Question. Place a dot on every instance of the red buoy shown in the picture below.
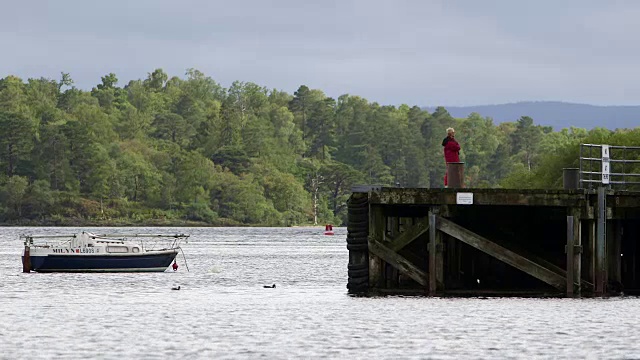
(175, 266)
(328, 229)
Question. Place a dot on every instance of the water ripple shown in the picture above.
(222, 310)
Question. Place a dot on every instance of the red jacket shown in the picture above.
(451, 150)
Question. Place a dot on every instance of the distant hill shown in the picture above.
(555, 113)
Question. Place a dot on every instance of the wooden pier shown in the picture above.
(441, 242)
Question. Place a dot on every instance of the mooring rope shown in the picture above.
(185, 259)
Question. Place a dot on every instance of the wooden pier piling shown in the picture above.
(572, 242)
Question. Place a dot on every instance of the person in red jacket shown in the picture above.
(451, 150)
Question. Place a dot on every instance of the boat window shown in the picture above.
(117, 249)
(135, 249)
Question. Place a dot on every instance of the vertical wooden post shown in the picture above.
(391, 273)
(435, 255)
(610, 255)
(458, 276)
(455, 175)
(377, 230)
(451, 269)
(614, 240)
(618, 250)
(574, 245)
(601, 243)
(577, 252)
(432, 253)
(439, 262)
(569, 250)
(591, 245)
(633, 231)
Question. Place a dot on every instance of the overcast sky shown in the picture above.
(416, 52)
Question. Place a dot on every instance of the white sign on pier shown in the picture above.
(464, 198)
(605, 165)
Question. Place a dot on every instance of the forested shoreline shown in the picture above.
(186, 151)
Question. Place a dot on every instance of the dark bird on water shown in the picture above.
(176, 287)
(270, 286)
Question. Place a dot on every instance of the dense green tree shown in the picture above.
(42, 97)
(285, 142)
(13, 98)
(39, 198)
(172, 127)
(149, 102)
(156, 80)
(139, 177)
(480, 144)
(133, 123)
(526, 140)
(51, 155)
(416, 156)
(108, 94)
(16, 140)
(195, 177)
(314, 180)
(15, 191)
(171, 148)
(338, 180)
(300, 105)
(242, 199)
(352, 113)
(65, 80)
(303, 105)
(233, 158)
(500, 164)
(288, 195)
(321, 126)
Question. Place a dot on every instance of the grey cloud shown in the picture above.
(424, 53)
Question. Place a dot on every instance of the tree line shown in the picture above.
(163, 150)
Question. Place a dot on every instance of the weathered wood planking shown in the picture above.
(594, 240)
(410, 234)
(420, 196)
(399, 262)
(501, 253)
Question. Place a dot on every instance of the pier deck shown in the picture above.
(492, 241)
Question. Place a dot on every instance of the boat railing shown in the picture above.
(28, 240)
(122, 237)
(106, 238)
(48, 236)
(141, 235)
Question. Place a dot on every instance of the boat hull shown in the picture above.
(148, 262)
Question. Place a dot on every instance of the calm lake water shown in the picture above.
(223, 312)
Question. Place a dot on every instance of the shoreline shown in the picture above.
(74, 222)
